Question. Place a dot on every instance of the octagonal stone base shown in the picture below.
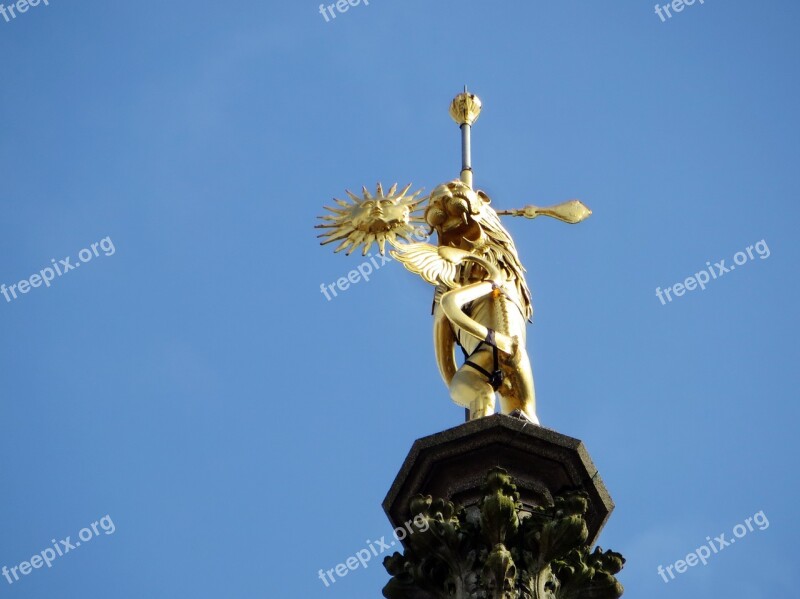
(452, 465)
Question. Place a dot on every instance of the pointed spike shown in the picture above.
(367, 245)
(333, 232)
(355, 239)
(392, 189)
(336, 210)
(336, 237)
(342, 245)
(336, 232)
(353, 196)
(346, 229)
(367, 194)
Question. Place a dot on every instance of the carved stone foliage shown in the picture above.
(503, 551)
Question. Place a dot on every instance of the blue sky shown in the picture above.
(239, 429)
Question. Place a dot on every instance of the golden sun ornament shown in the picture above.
(372, 219)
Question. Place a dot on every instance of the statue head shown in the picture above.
(454, 211)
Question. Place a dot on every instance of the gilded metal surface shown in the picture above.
(369, 219)
(465, 108)
(573, 212)
(481, 295)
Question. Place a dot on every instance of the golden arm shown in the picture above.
(444, 342)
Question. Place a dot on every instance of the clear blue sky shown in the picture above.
(239, 429)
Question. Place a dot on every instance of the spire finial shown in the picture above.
(465, 110)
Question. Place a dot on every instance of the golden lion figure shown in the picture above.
(482, 302)
(491, 303)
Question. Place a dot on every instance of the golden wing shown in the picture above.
(438, 266)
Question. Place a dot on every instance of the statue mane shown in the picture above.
(464, 218)
(500, 250)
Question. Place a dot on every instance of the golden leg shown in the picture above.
(517, 391)
(470, 389)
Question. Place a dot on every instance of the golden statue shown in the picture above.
(481, 299)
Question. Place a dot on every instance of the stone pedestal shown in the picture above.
(502, 509)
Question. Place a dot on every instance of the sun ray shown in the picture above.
(342, 245)
(336, 210)
(334, 236)
(370, 239)
(356, 239)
